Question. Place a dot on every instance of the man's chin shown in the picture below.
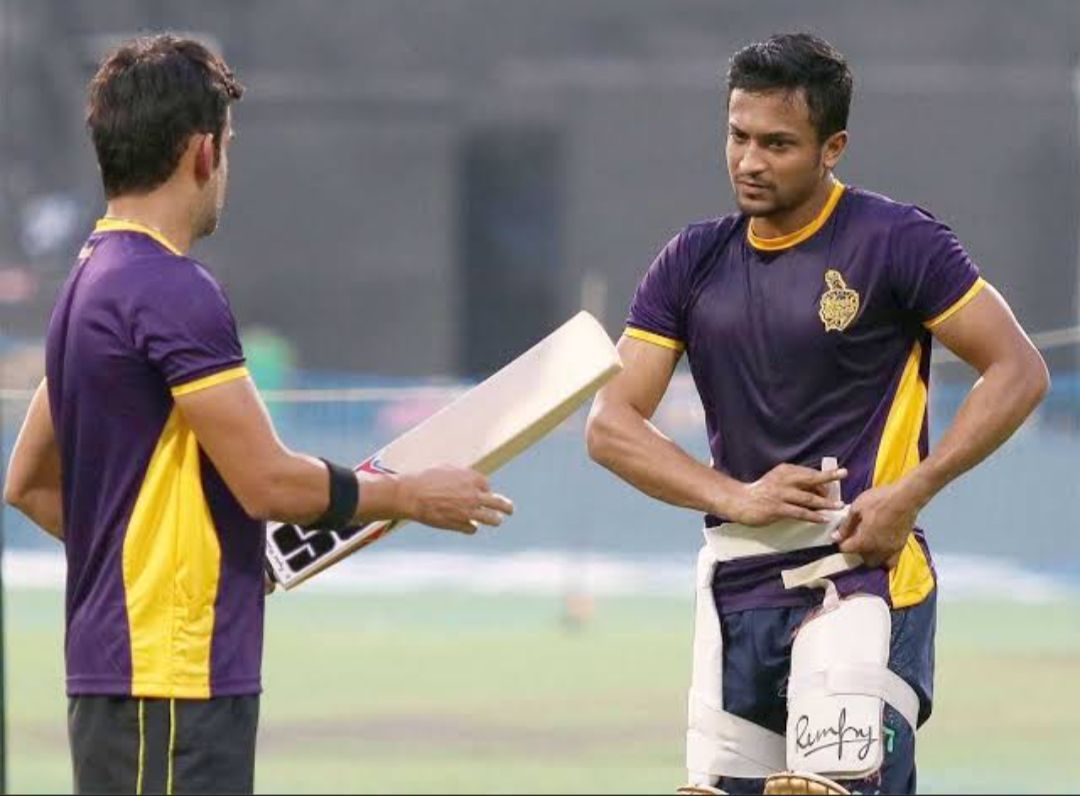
(758, 208)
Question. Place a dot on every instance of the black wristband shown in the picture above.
(344, 498)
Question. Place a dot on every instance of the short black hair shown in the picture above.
(149, 96)
(792, 61)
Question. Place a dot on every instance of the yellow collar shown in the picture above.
(124, 225)
(799, 235)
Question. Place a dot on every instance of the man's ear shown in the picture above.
(834, 148)
(203, 143)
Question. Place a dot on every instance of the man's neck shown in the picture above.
(781, 224)
(157, 212)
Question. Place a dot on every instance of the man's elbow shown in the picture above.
(1030, 381)
(14, 494)
(599, 437)
(1038, 379)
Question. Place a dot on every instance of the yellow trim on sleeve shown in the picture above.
(123, 225)
(957, 305)
(799, 235)
(212, 380)
(655, 339)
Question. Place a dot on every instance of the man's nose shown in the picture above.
(751, 161)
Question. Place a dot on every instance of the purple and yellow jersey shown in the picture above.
(165, 569)
(811, 345)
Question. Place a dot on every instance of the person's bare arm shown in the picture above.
(1013, 380)
(272, 482)
(33, 476)
(622, 438)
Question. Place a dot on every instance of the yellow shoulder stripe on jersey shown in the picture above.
(957, 305)
(212, 380)
(799, 235)
(123, 225)
(655, 339)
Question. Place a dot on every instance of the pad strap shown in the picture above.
(731, 540)
(864, 680)
(724, 744)
(820, 570)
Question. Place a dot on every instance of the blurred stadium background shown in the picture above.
(435, 185)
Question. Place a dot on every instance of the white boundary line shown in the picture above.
(544, 573)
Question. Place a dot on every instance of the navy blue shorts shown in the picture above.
(757, 661)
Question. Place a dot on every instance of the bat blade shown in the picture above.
(484, 429)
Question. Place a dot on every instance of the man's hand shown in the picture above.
(787, 492)
(453, 498)
(878, 525)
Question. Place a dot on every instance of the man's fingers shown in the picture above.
(816, 477)
(810, 500)
(468, 528)
(486, 516)
(794, 474)
(796, 512)
(857, 543)
(848, 526)
(851, 544)
(493, 500)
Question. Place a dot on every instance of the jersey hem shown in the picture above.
(94, 686)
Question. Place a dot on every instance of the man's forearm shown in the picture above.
(297, 490)
(996, 406)
(636, 451)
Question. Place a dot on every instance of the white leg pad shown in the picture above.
(719, 743)
(838, 688)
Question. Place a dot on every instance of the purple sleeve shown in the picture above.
(931, 274)
(184, 326)
(660, 298)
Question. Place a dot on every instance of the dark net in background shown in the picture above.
(430, 183)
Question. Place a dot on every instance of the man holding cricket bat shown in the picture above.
(807, 319)
(148, 451)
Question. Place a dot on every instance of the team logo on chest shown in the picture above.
(839, 303)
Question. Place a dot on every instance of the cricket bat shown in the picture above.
(484, 429)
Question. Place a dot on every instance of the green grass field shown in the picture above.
(453, 694)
